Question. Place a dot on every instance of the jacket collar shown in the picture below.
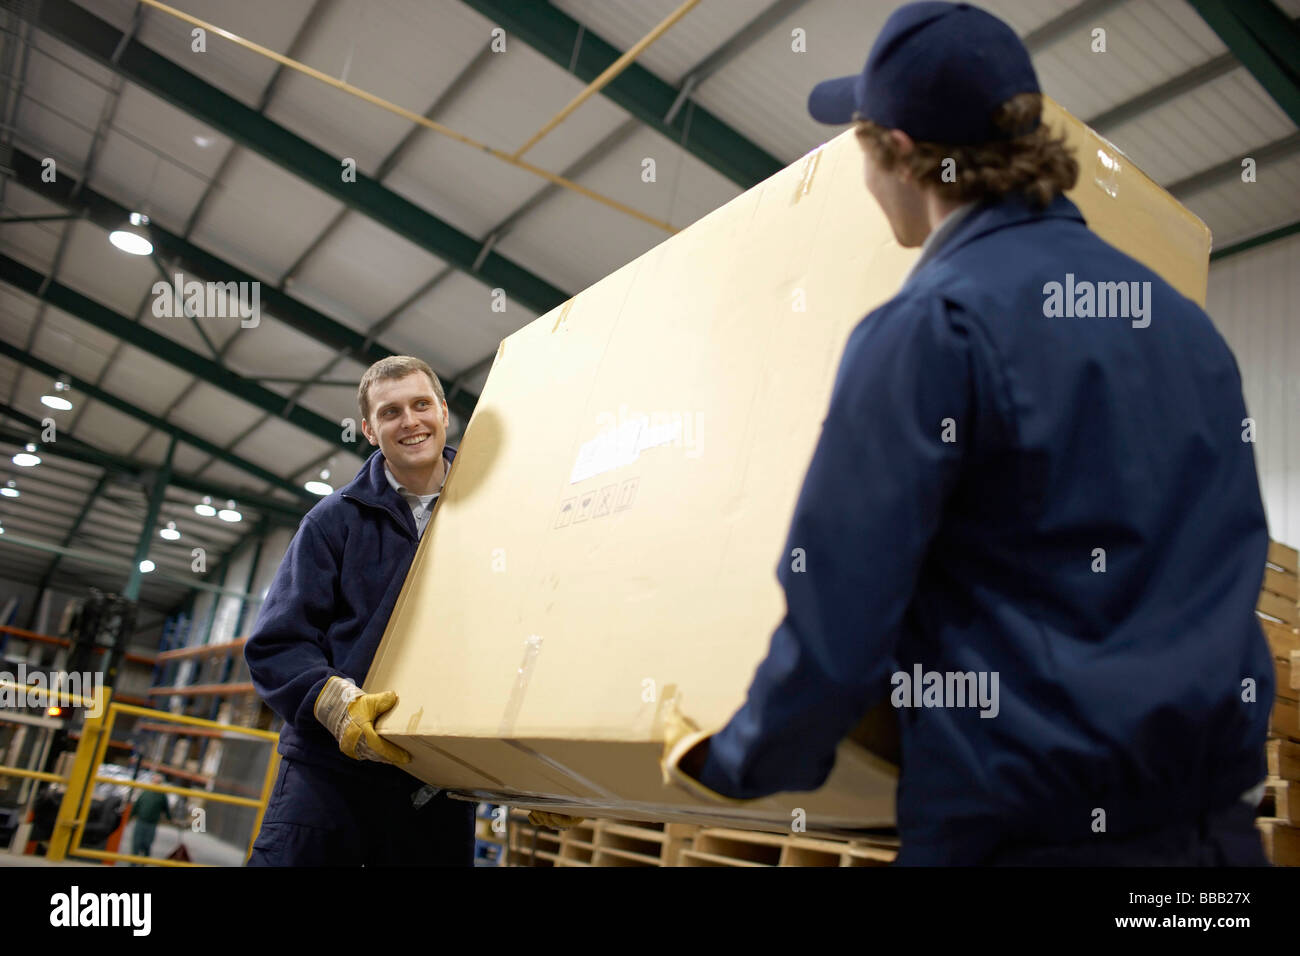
(990, 217)
(371, 487)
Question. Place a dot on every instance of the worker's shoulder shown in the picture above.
(330, 519)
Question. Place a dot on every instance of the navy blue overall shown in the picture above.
(323, 616)
(1029, 472)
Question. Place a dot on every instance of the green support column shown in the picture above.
(163, 476)
(48, 576)
(258, 544)
(212, 608)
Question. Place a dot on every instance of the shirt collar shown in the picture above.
(939, 235)
(402, 489)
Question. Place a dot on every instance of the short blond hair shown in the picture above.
(395, 366)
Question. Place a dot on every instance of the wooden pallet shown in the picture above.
(595, 843)
(1284, 558)
(747, 848)
(625, 843)
(641, 844)
(1281, 841)
(1283, 639)
(529, 845)
(1284, 719)
(1278, 803)
(1283, 758)
(1281, 586)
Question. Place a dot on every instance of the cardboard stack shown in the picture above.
(608, 536)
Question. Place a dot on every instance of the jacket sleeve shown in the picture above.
(287, 653)
(888, 457)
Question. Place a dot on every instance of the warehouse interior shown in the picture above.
(157, 462)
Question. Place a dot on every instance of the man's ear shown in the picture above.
(903, 146)
(365, 430)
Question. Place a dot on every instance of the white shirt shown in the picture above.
(421, 505)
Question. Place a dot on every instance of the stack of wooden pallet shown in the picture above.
(720, 847)
(626, 843)
(1279, 814)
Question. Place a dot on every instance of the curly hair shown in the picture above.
(1036, 164)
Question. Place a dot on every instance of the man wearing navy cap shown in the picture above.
(1053, 507)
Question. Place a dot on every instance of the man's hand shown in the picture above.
(685, 747)
(349, 714)
(556, 821)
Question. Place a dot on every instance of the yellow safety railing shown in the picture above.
(79, 782)
(94, 705)
(48, 697)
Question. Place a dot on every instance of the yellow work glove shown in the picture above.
(349, 714)
(681, 736)
(556, 821)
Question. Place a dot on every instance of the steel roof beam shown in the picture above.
(556, 35)
(1059, 27)
(153, 72)
(78, 450)
(126, 408)
(108, 215)
(168, 350)
(1265, 40)
(1280, 149)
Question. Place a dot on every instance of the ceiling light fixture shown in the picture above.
(28, 458)
(57, 401)
(320, 486)
(146, 566)
(205, 507)
(169, 533)
(228, 513)
(133, 237)
(10, 490)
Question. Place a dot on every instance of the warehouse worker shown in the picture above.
(149, 807)
(1058, 505)
(341, 796)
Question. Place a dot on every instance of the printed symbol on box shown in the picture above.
(626, 492)
(566, 512)
(584, 507)
(604, 501)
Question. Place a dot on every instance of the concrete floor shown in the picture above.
(202, 848)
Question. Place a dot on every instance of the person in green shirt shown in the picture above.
(148, 808)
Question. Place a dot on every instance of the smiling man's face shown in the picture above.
(408, 423)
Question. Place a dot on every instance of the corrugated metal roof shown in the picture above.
(262, 217)
(688, 42)
(1220, 120)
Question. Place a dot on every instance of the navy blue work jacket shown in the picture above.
(987, 447)
(329, 604)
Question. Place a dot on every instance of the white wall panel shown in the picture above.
(1254, 299)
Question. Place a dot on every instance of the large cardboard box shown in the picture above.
(608, 536)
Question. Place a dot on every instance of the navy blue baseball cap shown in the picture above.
(938, 72)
